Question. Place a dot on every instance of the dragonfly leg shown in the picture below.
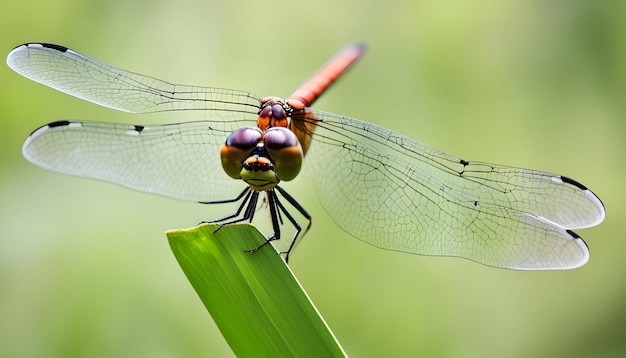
(290, 199)
(271, 199)
(277, 210)
(267, 241)
(293, 221)
(246, 210)
(249, 199)
(246, 191)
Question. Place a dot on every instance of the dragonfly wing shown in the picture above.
(398, 194)
(90, 79)
(175, 160)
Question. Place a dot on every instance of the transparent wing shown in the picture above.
(398, 194)
(85, 77)
(176, 160)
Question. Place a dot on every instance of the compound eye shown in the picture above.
(245, 138)
(285, 151)
(277, 138)
(239, 144)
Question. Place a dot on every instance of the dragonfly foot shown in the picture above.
(286, 253)
(211, 222)
(251, 251)
(267, 241)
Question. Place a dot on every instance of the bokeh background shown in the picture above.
(86, 271)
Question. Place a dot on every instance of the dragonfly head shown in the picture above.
(262, 159)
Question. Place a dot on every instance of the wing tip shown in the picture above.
(595, 200)
(60, 123)
(47, 45)
(41, 131)
(17, 57)
(583, 252)
(572, 251)
(583, 247)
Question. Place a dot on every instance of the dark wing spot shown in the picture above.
(576, 237)
(52, 125)
(58, 124)
(573, 182)
(139, 128)
(573, 234)
(54, 47)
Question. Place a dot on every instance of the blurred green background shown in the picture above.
(85, 269)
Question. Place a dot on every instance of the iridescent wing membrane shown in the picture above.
(380, 186)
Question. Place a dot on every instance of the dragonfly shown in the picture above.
(378, 185)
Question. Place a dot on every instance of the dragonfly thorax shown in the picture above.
(274, 112)
(277, 112)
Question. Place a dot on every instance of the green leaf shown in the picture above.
(257, 303)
